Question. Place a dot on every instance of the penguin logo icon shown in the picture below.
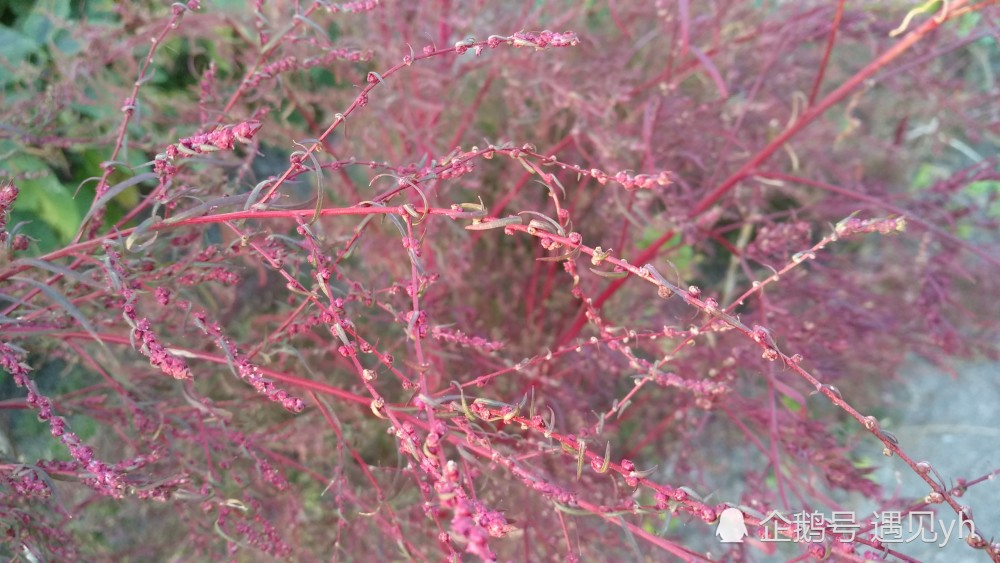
(732, 528)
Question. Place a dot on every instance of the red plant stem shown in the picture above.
(280, 330)
(531, 288)
(128, 108)
(876, 202)
(473, 108)
(499, 206)
(608, 293)
(291, 380)
(571, 447)
(273, 45)
(753, 438)
(373, 80)
(826, 103)
(666, 545)
(414, 330)
(773, 454)
(651, 436)
(684, 16)
(357, 457)
(551, 271)
(869, 422)
(829, 49)
(71, 249)
(691, 66)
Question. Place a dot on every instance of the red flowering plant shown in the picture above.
(431, 281)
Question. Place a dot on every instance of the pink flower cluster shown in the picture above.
(223, 138)
(178, 8)
(8, 193)
(352, 7)
(257, 531)
(471, 521)
(459, 337)
(246, 370)
(104, 479)
(852, 226)
(774, 242)
(632, 182)
(141, 329)
(26, 482)
(291, 63)
(542, 40)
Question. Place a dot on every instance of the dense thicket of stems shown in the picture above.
(435, 280)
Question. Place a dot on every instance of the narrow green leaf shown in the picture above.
(610, 275)
(115, 190)
(494, 224)
(61, 300)
(61, 270)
